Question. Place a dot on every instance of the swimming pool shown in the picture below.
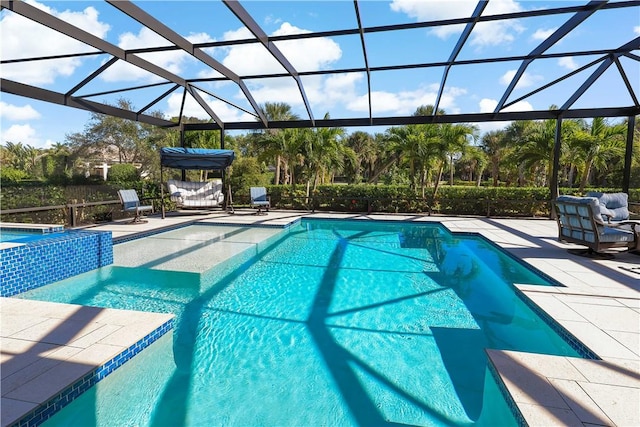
(332, 323)
(16, 236)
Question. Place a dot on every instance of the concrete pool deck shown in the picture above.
(599, 304)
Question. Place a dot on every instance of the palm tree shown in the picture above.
(387, 154)
(325, 153)
(573, 158)
(276, 139)
(406, 141)
(23, 157)
(452, 138)
(475, 160)
(605, 143)
(495, 146)
(364, 149)
(515, 138)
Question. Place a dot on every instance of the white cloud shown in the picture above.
(526, 79)
(193, 109)
(484, 33)
(543, 34)
(322, 92)
(22, 38)
(406, 102)
(24, 134)
(636, 30)
(173, 61)
(325, 51)
(488, 105)
(568, 62)
(15, 113)
(282, 89)
(338, 88)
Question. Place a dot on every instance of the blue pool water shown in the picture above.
(22, 236)
(339, 323)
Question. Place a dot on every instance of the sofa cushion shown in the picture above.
(196, 193)
(614, 206)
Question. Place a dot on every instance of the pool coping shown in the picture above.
(44, 228)
(534, 242)
(50, 371)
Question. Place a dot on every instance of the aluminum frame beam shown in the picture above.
(414, 120)
(573, 22)
(475, 16)
(248, 21)
(364, 54)
(32, 92)
(164, 31)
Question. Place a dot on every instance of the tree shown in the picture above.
(494, 145)
(325, 153)
(453, 138)
(365, 152)
(537, 150)
(277, 139)
(247, 172)
(128, 141)
(474, 161)
(604, 144)
(23, 157)
(123, 173)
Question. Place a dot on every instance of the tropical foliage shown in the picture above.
(421, 157)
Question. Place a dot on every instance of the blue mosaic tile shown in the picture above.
(507, 396)
(55, 404)
(574, 342)
(53, 258)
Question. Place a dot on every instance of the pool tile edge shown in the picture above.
(49, 408)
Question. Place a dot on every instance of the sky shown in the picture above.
(470, 89)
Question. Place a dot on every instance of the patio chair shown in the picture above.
(580, 221)
(260, 200)
(131, 203)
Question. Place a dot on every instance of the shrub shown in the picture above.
(123, 173)
(9, 174)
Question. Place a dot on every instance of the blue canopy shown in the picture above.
(196, 158)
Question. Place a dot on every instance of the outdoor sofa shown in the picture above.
(196, 194)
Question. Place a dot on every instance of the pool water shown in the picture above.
(22, 236)
(336, 323)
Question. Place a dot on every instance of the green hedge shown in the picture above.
(36, 194)
(450, 200)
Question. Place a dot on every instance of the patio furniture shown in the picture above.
(580, 221)
(196, 194)
(614, 207)
(260, 200)
(195, 159)
(131, 203)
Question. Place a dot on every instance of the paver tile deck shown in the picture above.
(598, 301)
(45, 347)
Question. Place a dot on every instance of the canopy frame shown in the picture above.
(184, 158)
